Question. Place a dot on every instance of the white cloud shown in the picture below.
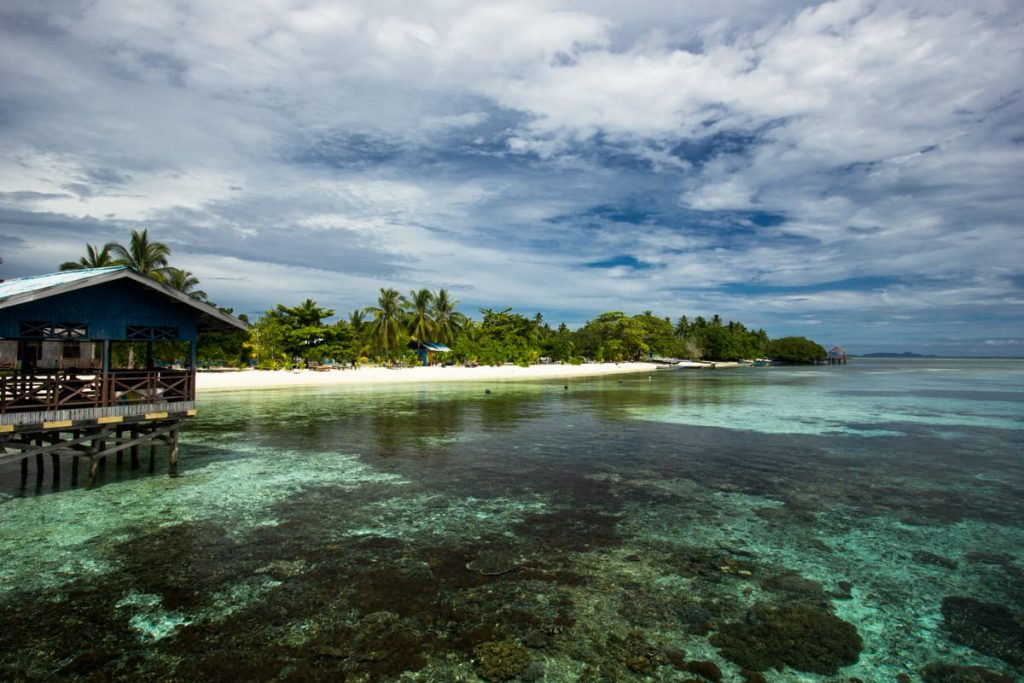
(501, 146)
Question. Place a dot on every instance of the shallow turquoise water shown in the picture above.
(620, 529)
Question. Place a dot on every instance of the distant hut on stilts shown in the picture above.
(837, 356)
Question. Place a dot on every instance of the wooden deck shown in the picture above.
(39, 397)
(71, 414)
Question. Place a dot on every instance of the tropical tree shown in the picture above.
(185, 282)
(360, 332)
(141, 255)
(796, 350)
(286, 333)
(448, 322)
(419, 323)
(94, 258)
(387, 328)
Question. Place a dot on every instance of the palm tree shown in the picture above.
(388, 317)
(94, 258)
(419, 323)
(309, 314)
(141, 255)
(357, 322)
(185, 282)
(447, 321)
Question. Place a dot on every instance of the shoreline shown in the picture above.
(254, 380)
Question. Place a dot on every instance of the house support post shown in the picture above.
(55, 457)
(39, 463)
(135, 448)
(173, 457)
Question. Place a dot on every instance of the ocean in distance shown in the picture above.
(811, 524)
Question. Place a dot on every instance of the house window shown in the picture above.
(71, 350)
(46, 329)
(150, 333)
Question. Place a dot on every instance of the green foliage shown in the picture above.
(615, 337)
(185, 282)
(715, 340)
(388, 327)
(796, 350)
(448, 322)
(141, 255)
(94, 258)
(231, 349)
(420, 325)
(284, 334)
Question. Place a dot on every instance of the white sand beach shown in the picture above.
(278, 379)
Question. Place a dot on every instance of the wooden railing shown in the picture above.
(62, 389)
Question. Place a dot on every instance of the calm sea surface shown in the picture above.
(810, 524)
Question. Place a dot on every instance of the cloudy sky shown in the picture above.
(851, 171)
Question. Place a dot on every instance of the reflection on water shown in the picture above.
(786, 525)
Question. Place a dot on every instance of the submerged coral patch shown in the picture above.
(495, 562)
(989, 628)
(805, 638)
(942, 672)
(501, 660)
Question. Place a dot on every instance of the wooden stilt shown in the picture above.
(24, 472)
(74, 470)
(152, 458)
(173, 457)
(39, 469)
(119, 432)
(93, 467)
(55, 459)
(135, 449)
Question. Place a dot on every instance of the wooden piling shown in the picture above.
(94, 462)
(135, 448)
(55, 458)
(152, 457)
(24, 472)
(173, 457)
(74, 470)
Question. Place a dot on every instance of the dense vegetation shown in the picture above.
(796, 350)
(390, 330)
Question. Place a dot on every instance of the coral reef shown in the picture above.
(501, 660)
(803, 637)
(705, 668)
(495, 562)
(941, 672)
(796, 588)
(989, 628)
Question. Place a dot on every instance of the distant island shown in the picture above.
(905, 354)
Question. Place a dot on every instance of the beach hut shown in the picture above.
(837, 356)
(426, 350)
(63, 392)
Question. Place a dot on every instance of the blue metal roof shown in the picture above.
(31, 290)
(35, 283)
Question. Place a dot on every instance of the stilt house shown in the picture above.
(96, 362)
(837, 356)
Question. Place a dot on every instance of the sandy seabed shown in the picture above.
(277, 379)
